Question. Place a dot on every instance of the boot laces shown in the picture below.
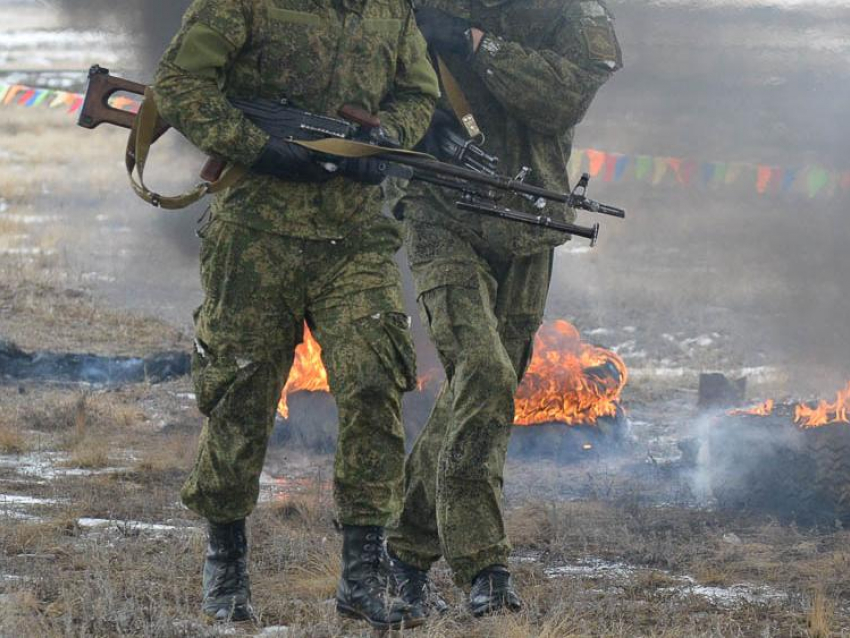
(372, 555)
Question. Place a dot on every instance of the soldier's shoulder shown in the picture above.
(584, 8)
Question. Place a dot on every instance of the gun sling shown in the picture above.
(142, 138)
(460, 105)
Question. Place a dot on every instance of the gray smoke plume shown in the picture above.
(745, 81)
(150, 23)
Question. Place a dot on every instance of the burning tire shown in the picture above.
(771, 465)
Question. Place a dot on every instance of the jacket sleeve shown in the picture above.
(413, 96)
(551, 89)
(190, 77)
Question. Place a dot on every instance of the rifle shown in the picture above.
(331, 137)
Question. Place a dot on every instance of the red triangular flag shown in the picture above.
(596, 160)
(764, 175)
(610, 167)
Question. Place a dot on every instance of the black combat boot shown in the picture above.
(364, 590)
(227, 592)
(416, 590)
(492, 591)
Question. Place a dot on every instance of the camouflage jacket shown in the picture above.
(531, 81)
(320, 55)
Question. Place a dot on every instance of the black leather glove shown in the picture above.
(443, 32)
(369, 170)
(290, 162)
(366, 170)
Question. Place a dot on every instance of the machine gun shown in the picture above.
(332, 138)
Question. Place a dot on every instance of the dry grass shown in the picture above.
(39, 314)
(12, 441)
(820, 617)
(69, 413)
(175, 452)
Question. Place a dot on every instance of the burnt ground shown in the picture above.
(625, 542)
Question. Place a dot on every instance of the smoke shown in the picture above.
(150, 24)
(745, 82)
(726, 82)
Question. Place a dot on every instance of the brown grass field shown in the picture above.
(94, 541)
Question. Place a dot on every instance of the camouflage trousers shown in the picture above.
(482, 312)
(260, 288)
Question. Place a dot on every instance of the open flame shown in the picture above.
(763, 409)
(568, 381)
(837, 412)
(807, 416)
(307, 373)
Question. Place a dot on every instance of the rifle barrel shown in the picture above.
(471, 204)
(495, 181)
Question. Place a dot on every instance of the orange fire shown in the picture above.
(837, 412)
(806, 416)
(307, 373)
(568, 381)
(763, 409)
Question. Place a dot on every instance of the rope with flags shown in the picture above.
(811, 180)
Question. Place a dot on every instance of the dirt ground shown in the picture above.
(94, 541)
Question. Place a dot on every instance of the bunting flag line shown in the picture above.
(28, 96)
(811, 181)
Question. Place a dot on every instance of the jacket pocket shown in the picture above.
(389, 336)
(296, 17)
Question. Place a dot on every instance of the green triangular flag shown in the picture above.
(816, 180)
(643, 166)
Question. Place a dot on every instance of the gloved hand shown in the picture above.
(443, 32)
(366, 170)
(369, 170)
(290, 162)
(442, 122)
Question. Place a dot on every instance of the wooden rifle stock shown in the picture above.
(96, 109)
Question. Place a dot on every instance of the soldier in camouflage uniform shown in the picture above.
(294, 242)
(529, 70)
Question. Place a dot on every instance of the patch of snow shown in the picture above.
(598, 569)
(275, 632)
(130, 526)
(760, 373)
(96, 276)
(660, 373)
(17, 499)
(597, 332)
(703, 341)
(726, 596)
(30, 219)
(47, 466)
(27, 251)
(592, 568)
(626, 345)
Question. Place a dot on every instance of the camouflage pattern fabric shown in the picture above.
(260, 288)
(538, 68)
(482, 312)
(482, 283)
(318, 54)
